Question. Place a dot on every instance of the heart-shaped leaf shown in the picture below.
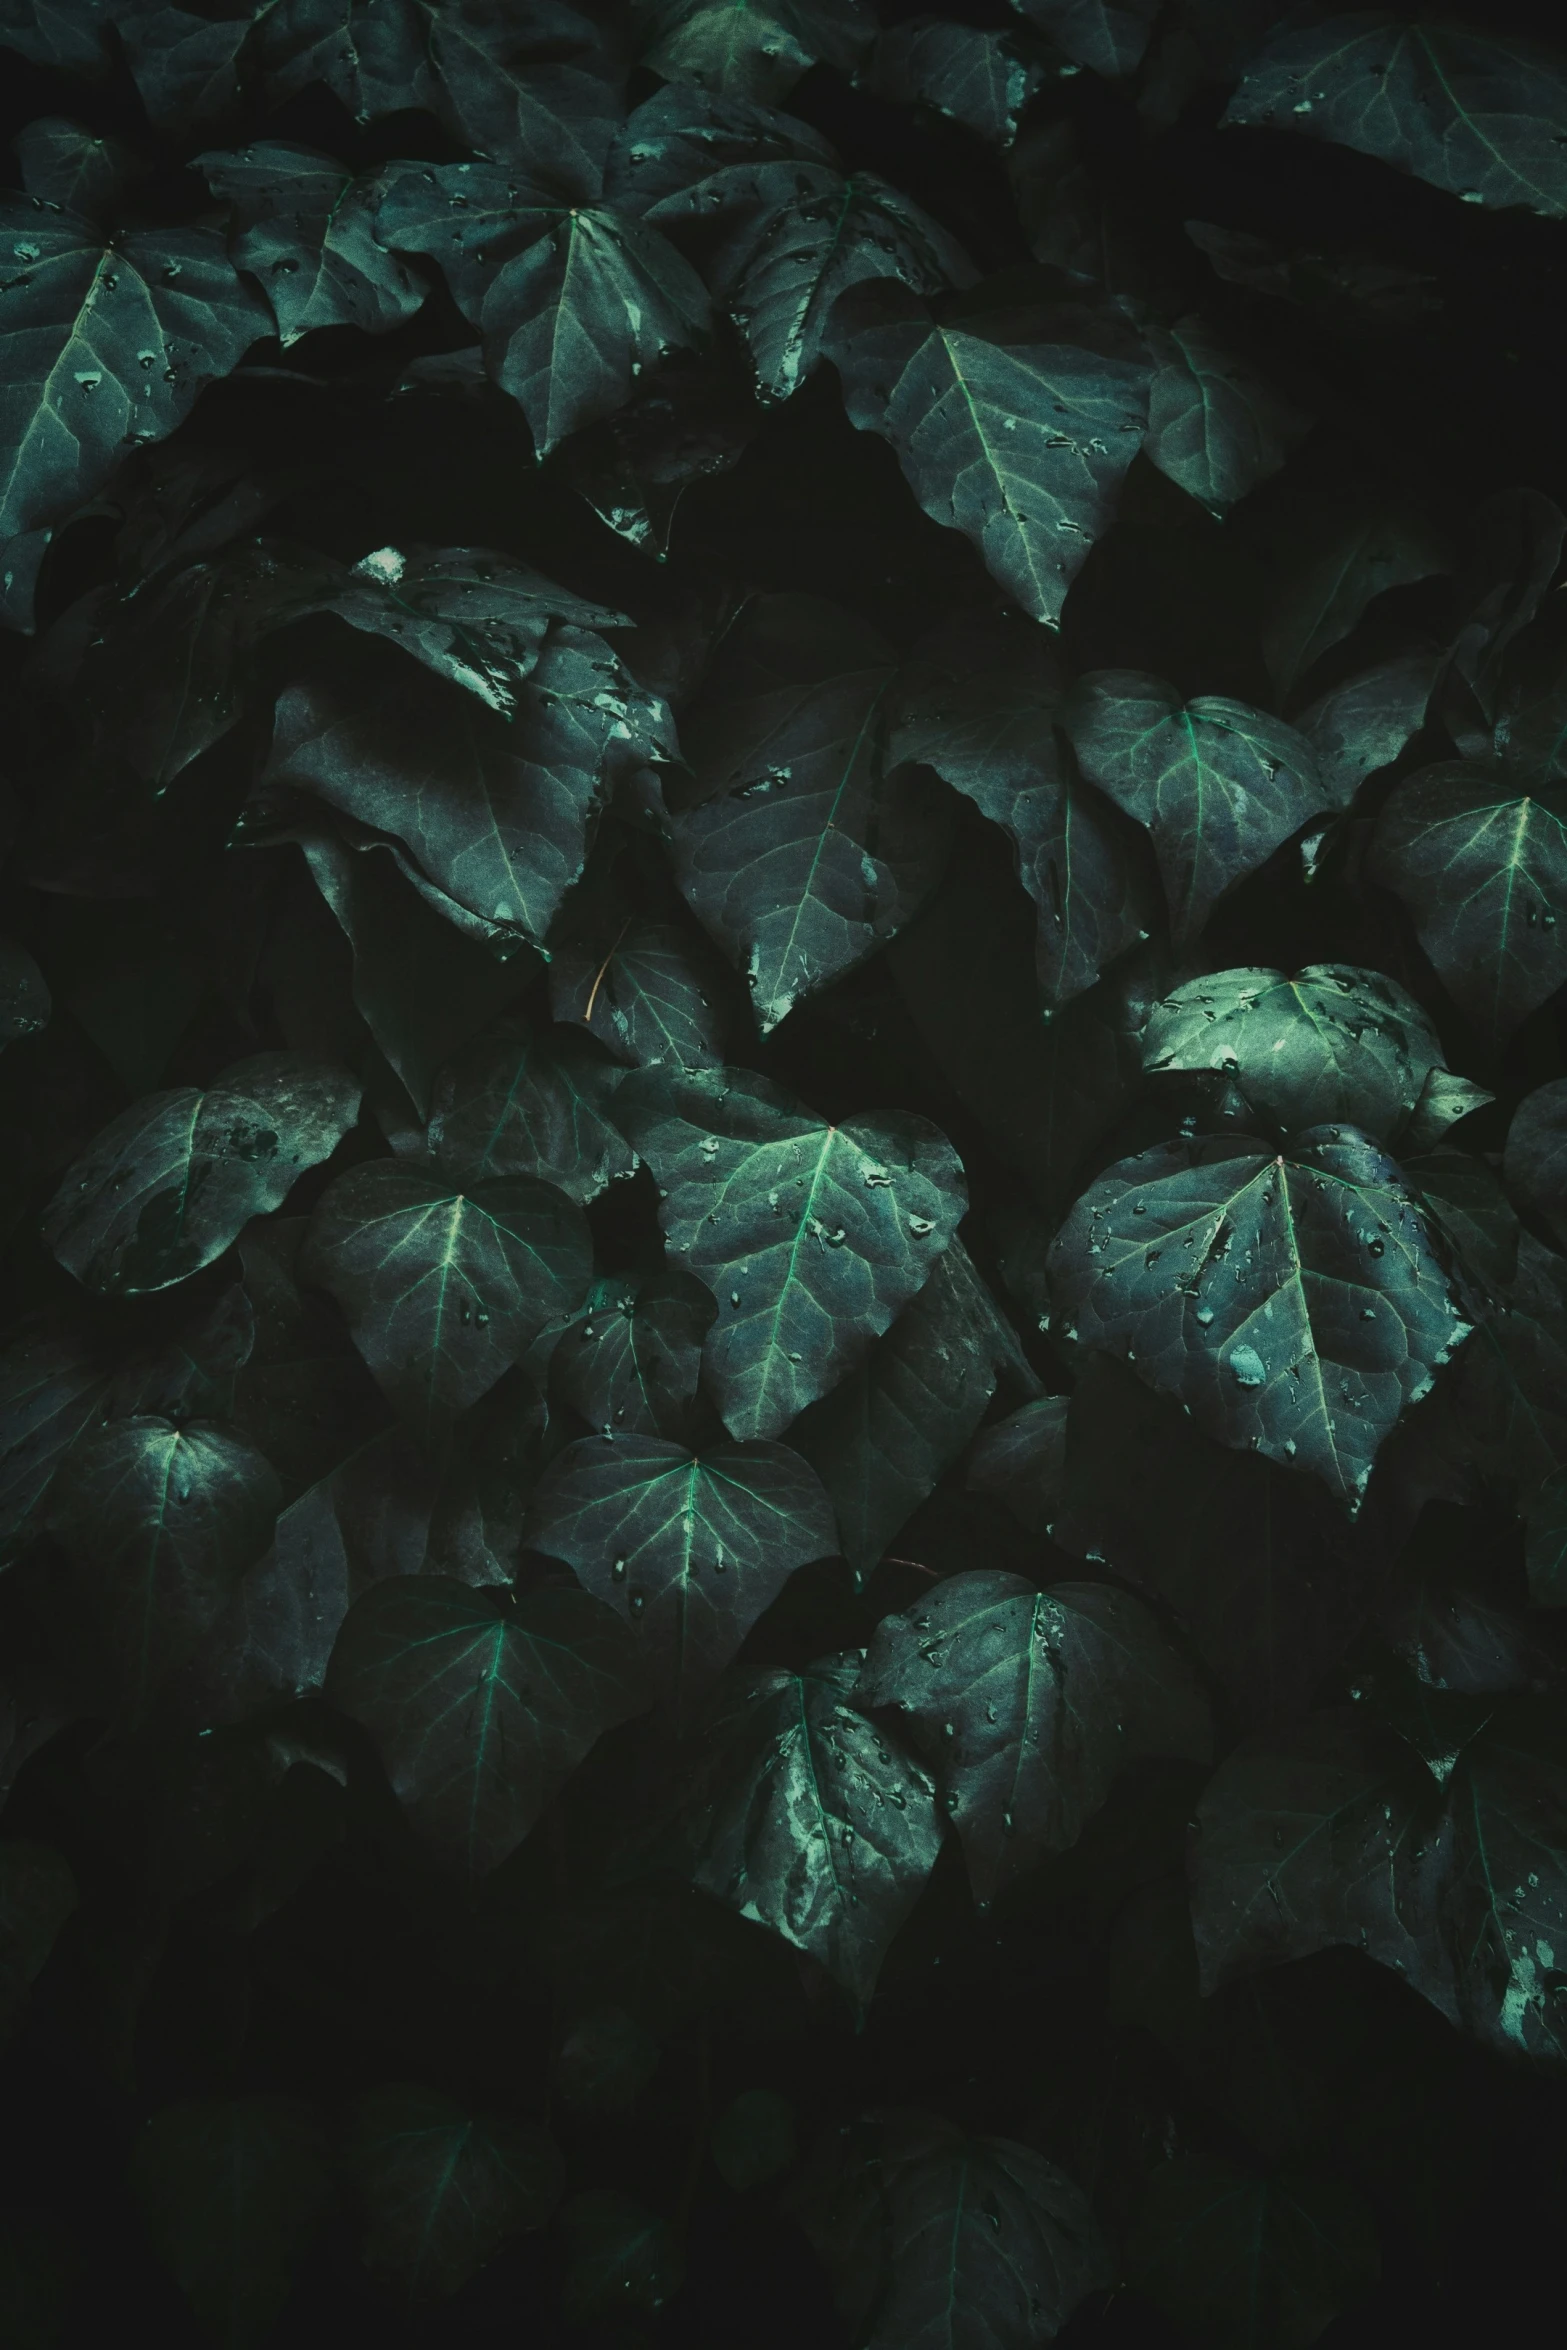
(811, 1235)
(1215, 426)
(631, 1362)
(980, 79)
(1240, 2261)
(751, 48)
(1535, 1159)
(443, 2188)
(523, 1101)
(302, 225)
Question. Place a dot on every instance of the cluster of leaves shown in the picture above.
(783, 1435)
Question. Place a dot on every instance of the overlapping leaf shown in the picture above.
(978, 78)
(1215, 426)
(442, 2188)
(630, 1364)
(527, 1101)
(303, 226)
(1535, 1160)
(751, 48)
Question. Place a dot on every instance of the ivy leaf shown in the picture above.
(755, 49)
(522, 1101)
(445, 1286)
(1363, 724)
(172, 1181)
(1534, 1160)
(1327, 558)
(1108, 36)
(160, 1523)
(804, 1817)
(1218, 785)
(1510, 1381)
(630, 1364)
(477, 618)
(1467, 1202)
(979, 702)
(54, 1386)
(480, 1709)
(1026, 1704)
(233, 2191)
(1244, 2261)
(64, 165)
(888, 1433)
(651, 991)
(811, 1235)
(689, 1547)
(443, 2188)
(498, 816)
(623, 2256)
(303, 227)
(1013, 433)
(37, 1894)
(1296, 1305)
(1022, 1461)
(805, 848)
(103, 344)
(1479, 114)
(1482, 866)
(70, 34)
(977, 78)
(1333, 1042)
(1216, 427)
(936, 2238)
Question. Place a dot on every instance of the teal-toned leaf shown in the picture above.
(751, 48)
(1108, 36)
(1467, 1203)
(104, 344)
(1333, 1042)
(1022, 1461)
(631, 1362)
(886, 1435)
(160, 1523)
(947, 2241)
(1296, 1305)
(689, 1547)
(171, 1182)
(1478, 113)
(1218, 785)
(805, 848)
(622, 2257)
(979, 700)
(808, 1819)
(71, 34)
(1014, 433)
(811, 1235)
(651, 991)
(1249, 2262)
(302, 225)
(529, 1101)
(1026, 1704)
(233, 2190)
(1326, 559)
(1216, 426)
(1534, 1160)
(977, 78)
(24, 994)
(1444, 1098)
(480, 1709)
(469, 614)
(63, 164)
(443, 2188)
(1362, 725)
(37, 1895)
(445, 1287)
(1481, 863)
(1510, 1381)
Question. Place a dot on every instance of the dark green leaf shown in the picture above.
(1027, 1703)
(63, 164)
(37, 1894)
(803, 1816)
(631, 1362)
(1109, 36)
(1482, 115)
(1482, 866)
(233, 2190)
(194, 1373)
(1535, 1159)
(1511, 1379)
(24, 994)
(1545, 1542)
(806, 848)
(978, 701)
(751, 48)
(443, 2188)
(1333, 1042)
(1249, 2263)
(651, 991)
(889, 1432)
(978, 78)
(160, 1522)
(1219, 785)
(104, 344)
(304, 1397)
(623, 2257)
(302, 225)
(753, 2139)
(605, 2061)
(479, 1709)
(811, 1235)
(446, 1287)
(1022, 1460)
(1444, 1099)
(936, 2240)
(1216, 426)
(521, 1101)
(54, 1386)
(1296, 1306)
(1012, 433)
(1327, 558)
(72, 34)
(171, 1182)
(689, 1547)
(1467, 1202)
(1362, 725)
